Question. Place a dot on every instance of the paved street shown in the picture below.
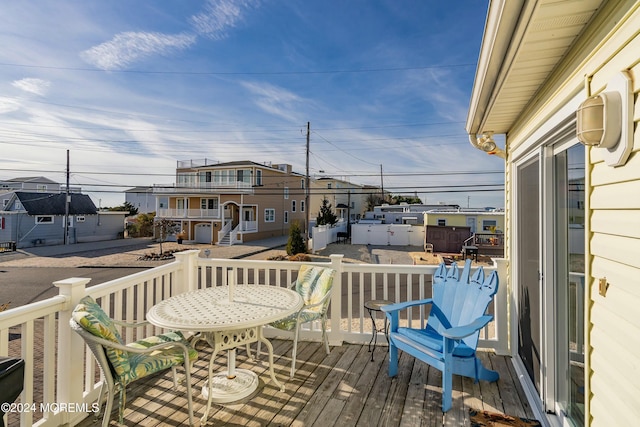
(27, 276)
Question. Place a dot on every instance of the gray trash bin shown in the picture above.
(11, 381)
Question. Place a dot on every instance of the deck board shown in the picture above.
(342, 388)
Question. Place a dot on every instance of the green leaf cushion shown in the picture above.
(93, 319)
(289, 322)
(146, 364)
(313, 283)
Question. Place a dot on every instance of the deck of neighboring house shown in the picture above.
(342, 389)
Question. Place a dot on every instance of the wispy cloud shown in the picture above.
(32, 85)
(275, 100)
(218, 17)
(126, 48)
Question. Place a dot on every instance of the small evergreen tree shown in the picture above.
(326, 216)
(296, 244)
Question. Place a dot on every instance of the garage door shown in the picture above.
(203, 233)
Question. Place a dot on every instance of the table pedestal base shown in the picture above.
(225, 390)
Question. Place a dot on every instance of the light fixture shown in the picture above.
(487, 144)
(605, 121)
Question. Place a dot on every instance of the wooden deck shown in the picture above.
(342, 389)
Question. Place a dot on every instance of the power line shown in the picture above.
(243, 73)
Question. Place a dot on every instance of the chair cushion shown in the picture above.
(94, 320)
(431, 339)
(313, 283)
(289, 322)
(145, 364)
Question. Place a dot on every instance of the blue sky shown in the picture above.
(130, 88)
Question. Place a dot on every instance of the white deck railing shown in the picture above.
(59, 384)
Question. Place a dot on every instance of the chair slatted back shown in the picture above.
(462, 299)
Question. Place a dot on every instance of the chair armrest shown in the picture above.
(460, 332)
(392, 311)
(130, 325)
(319, 303)
(402, 305)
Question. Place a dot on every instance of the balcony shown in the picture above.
(188, 213)
(228, 187)
(345, 383)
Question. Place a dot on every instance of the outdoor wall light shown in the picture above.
(487, 144)
(605, 120)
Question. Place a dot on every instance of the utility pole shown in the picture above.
(381, 183)
(66, 206)
(306, 189)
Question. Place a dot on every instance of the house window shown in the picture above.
(286, 217)
(442, 222)
(18, 206)
(302, 183)
(42, 188)
(222, 177)
(301, 205)
(244, 176)
(329, 186)
(269, 215)
(209, 203)
(205, 179)
(258, 177)
(293, 206)
(80, 218)
(489, 225)
(44, 219)
(286, 192)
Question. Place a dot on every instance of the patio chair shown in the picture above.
(314, 286)
(120, 363)
(448, 341)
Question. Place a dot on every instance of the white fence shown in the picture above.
(387, 234)
(322, 235)
(61, 376)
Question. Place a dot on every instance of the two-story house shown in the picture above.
(348, 200)
(233, 202)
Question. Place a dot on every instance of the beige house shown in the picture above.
(348, 200)
(553, 76)
(478, 221)
(233, 202)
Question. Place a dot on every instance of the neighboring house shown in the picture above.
(478, 220)
(403, 213)
(33, 219)
(451, 230)
(348, 201)
(572, 212)
(233, 202)
(144, 200)
(31, 183)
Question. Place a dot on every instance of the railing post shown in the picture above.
(189, 277)
(70, 381)
(335, 336)
(501, 307)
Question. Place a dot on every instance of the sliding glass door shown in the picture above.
(569, 281)
(549, 275)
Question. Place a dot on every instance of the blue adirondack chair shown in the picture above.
(448, 341)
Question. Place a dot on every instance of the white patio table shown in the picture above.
(228, 317)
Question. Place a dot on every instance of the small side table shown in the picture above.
(372, 307)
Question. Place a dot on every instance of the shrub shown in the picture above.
(296, 243)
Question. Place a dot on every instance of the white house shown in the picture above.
(560, 81)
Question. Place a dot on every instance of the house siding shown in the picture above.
(614, 239)
(612, 227)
